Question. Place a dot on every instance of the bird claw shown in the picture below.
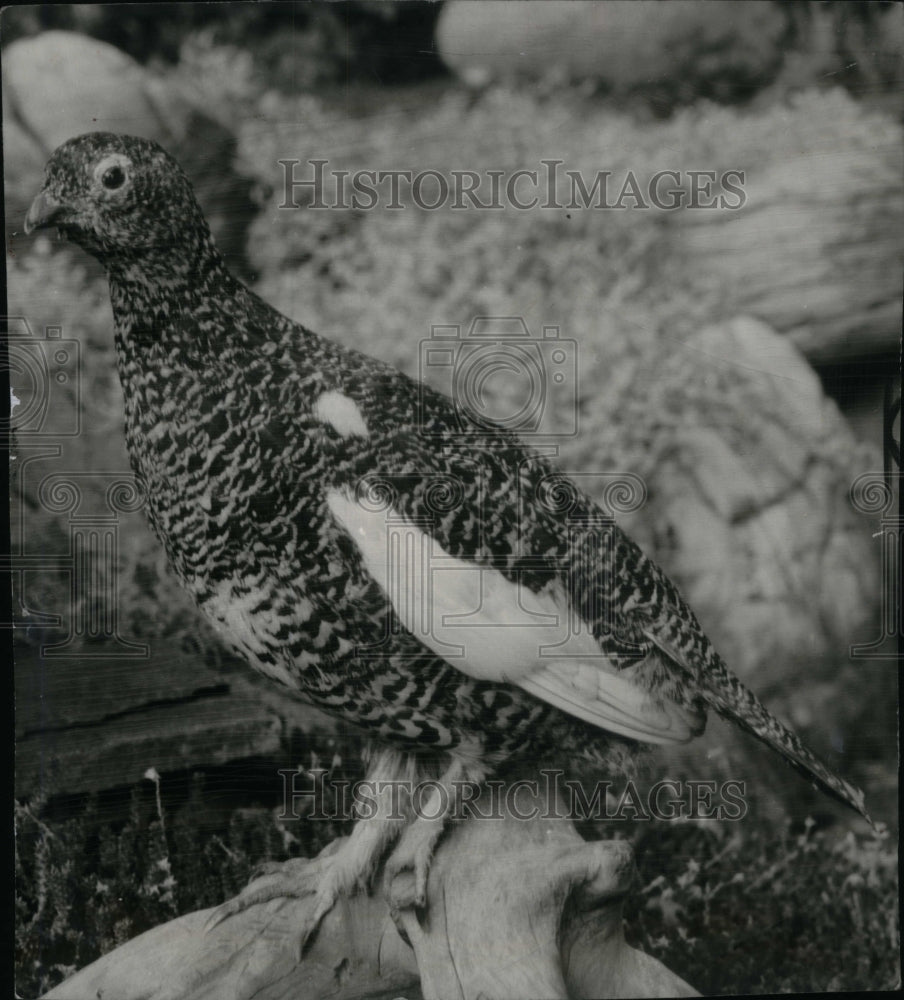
(296, 878)
(407, 872)
(264, 868)
(325, 900)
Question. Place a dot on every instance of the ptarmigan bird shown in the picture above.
(335, 520)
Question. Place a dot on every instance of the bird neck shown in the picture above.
(156, 292)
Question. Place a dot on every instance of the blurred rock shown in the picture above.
(60, 84)
(675, 50)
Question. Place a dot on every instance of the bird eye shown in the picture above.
(113, 178)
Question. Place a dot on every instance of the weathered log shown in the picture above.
(516, 908)
(92, 721)
(815, 250)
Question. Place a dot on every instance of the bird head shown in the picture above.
(116, 194)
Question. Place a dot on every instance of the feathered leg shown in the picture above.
(347, 869)
(415, 850)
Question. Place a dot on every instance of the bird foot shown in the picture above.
(408, 867)
(297, 878)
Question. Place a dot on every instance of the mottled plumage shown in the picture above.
(271, 456)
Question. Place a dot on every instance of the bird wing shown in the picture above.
(494, 628)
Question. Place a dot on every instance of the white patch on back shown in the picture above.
(341, 413)
(493, 629)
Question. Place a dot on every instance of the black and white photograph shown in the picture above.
(454, 542)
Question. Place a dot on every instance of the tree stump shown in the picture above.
(516, 908)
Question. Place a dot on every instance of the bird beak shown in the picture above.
(44, 211)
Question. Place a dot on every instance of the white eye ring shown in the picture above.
(112, 173)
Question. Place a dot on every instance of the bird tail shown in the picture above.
(728, 696)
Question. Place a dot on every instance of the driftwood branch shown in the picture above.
(515, 909)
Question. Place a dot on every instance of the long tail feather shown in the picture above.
(735, 702)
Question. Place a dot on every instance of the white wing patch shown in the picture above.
(341, 413)
(487, 626)
(495, 630)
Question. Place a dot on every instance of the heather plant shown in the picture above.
(751, 910)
